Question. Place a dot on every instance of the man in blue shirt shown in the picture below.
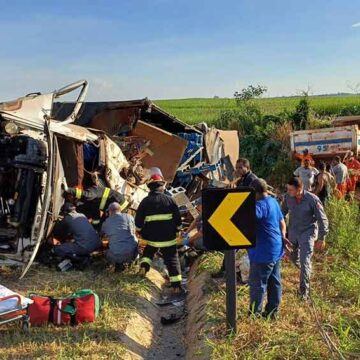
(265, 258)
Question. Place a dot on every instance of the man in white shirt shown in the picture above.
(307, 173)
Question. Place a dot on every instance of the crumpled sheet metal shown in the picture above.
(167, 149)
(115, 163)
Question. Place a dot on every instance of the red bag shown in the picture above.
(79, 307)
(39, 310)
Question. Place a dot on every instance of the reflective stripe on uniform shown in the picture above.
(124, 205)
(95, 222)
(176, 278)
(158, 217)
(104, 198)
(161, 244)
(145, 260)
(78, 193)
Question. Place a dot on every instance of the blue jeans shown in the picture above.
(265, 278)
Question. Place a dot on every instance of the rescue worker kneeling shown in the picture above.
(75, 225)
(120, 230)
(158, 221)
(94, 200)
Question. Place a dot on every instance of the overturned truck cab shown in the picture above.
(31, 173)
(48, 145)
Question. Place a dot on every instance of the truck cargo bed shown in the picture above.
(326, 142)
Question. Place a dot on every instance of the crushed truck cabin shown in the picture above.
(47, 146)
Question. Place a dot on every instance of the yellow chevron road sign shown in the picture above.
(228, 218)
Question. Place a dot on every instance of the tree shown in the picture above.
(249, 93)
(302, 112)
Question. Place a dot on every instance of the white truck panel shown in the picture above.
(326, 142)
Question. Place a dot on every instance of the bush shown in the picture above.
(264, 139)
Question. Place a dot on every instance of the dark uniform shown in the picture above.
(95, 199)
(86, 239)
(247, 179)
(158, 220)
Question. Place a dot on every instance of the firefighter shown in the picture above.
(94, 200)
(158, 221)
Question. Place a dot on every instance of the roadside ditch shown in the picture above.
(146, 338)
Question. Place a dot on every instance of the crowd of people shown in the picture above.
(305, 228)
(296, 225)
(338, 178)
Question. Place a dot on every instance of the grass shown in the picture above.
(297, 334)
(195, 111)
(119, 295)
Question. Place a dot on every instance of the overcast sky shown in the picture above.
(179, 48)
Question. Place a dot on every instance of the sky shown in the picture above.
(163, 49)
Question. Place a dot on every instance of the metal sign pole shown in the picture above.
(230, 291)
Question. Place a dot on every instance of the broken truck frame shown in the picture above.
(128, 137)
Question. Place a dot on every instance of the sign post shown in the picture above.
(231, 298)
(229, 224)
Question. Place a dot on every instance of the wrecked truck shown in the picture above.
(47, 145)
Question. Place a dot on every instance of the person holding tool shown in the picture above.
(158, 221)
(307, 229)
(94, 200)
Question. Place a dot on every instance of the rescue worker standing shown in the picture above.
(94, 200)
(158, 221)
(307, 223)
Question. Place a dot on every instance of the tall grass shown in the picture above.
(194, 111)
(344, 236)
(296, 335)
